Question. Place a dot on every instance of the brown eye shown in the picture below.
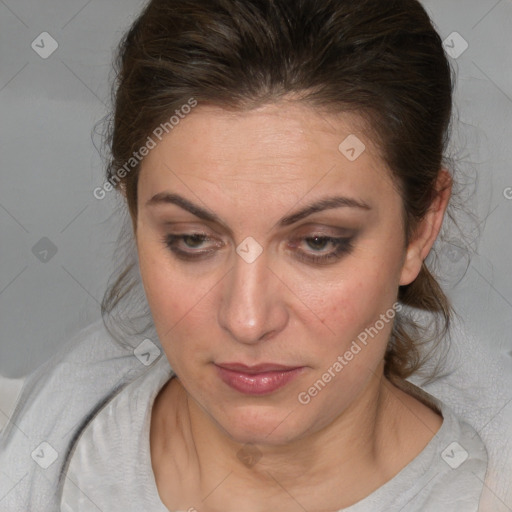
(185, 245)
(316, 241)
(193, 241)
(318, 244)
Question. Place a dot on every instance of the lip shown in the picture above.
(257, 368)
(259, 379)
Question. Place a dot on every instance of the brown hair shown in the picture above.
(381, 59)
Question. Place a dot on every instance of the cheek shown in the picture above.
(354, 348)
(164, 287)
(350, 306)
(168, 307)
(180, 303)
(352, 301)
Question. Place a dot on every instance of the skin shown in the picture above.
(251, 169)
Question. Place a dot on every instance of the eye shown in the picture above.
(320, 245)
(312, 249)
(185, 245)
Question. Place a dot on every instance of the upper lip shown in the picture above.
(257, 368)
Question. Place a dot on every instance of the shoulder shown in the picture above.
(449, 472)
(55, 403)
(475, 381)
(111, 464)
(458, 467)
(455, 464)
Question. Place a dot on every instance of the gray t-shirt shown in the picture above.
(110, 467)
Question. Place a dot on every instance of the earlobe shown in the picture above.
(427, 230)
(411, 267)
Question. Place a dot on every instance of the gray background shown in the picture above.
(50, 167)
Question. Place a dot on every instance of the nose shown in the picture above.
(251, 307)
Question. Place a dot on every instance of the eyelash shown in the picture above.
(342, 246)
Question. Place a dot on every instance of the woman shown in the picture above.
(282, 164)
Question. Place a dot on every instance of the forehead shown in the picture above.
(280, 145)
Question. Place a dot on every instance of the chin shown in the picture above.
(261, 425)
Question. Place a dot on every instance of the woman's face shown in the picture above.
(255, 294)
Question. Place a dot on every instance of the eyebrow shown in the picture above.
(326, 203)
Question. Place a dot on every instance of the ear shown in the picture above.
(427, 230)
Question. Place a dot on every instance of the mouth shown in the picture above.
(261, 379)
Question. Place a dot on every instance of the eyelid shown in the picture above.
(304, 231)
(170, 241)
(323, 232)
(192, 228)
(342, 246)
(181, 235)
(336, 241)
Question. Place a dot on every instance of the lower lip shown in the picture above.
(257, 383)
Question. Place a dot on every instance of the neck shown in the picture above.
(365, 446)
(355, 431)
